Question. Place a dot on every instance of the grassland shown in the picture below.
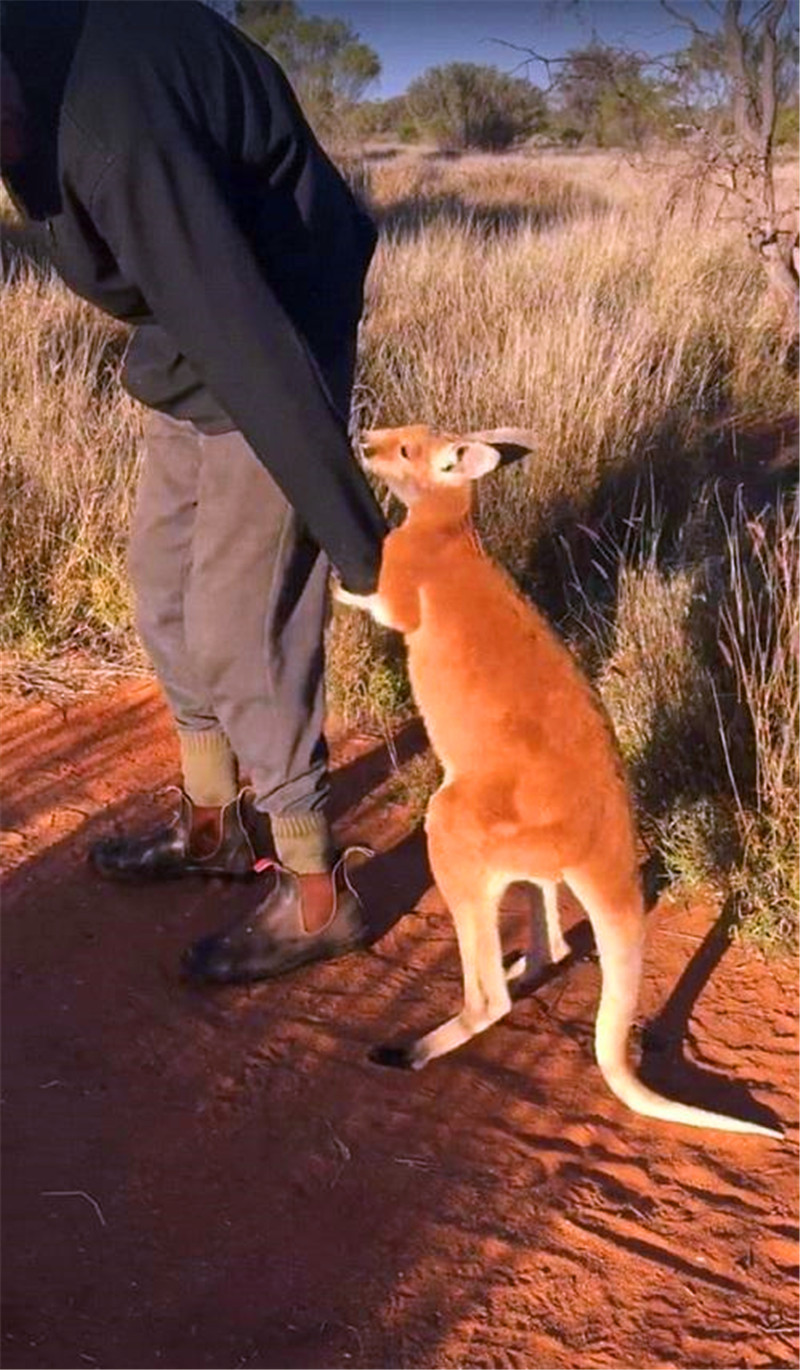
(657, 524)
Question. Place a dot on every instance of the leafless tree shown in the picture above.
(727, 132)
(736, 154)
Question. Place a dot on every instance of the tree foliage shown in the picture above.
(326, 61)
(383, 118)
(605, 96)
(702, 68)
(464, 105)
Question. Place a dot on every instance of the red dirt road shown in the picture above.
(198, 1178)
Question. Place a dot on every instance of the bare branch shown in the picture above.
(533, 56)
(733, 52)
(744, 123)
(774, 11)
(767, 83)
(685, 19)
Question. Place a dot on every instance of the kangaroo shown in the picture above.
(534, 787)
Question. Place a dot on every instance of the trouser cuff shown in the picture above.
(303, 842)
(209, 767)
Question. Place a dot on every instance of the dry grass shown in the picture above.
(414, 784)
(568, 295)
(68, 448)
(760, 641)
(696, 660)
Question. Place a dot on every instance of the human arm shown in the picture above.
(161, 206)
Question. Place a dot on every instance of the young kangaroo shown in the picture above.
(534, 789)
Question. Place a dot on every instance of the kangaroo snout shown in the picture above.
(417, 460)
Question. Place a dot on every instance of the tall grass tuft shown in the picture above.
(68, 459)
(695, 656)
(760, 640)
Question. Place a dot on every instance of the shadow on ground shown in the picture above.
(412, 216)
(198, 1178)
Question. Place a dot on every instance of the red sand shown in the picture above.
(265, 1197)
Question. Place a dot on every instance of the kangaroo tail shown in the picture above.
(620, 944)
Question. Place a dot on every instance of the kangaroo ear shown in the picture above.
(510, 443)
(468, 459)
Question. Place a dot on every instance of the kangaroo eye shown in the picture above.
(404, 454)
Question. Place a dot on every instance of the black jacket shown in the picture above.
(181, 190)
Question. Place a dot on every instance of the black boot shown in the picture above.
(272, 938)
(166, 853)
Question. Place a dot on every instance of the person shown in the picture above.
(163, 159)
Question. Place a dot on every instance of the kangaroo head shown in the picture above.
(418, 460)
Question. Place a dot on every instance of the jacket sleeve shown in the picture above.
(166, 219)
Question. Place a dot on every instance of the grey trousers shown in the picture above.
(231, 602)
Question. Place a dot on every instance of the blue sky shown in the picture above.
(410, 35)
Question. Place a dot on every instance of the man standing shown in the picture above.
(171, 173)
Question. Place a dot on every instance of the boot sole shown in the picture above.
(153, 877)
(296, 963)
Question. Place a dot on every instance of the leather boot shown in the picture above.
(272, 938)
(167, 852)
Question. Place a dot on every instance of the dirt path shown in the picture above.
(262, 1196)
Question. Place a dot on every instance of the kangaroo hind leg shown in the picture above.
(557, 944)
(472, 897)
(546, 942)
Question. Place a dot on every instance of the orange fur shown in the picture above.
(534, 786)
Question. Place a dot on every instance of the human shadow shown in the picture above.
(392, 882)
(670, 514)
(373, 768)
(644, 507)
